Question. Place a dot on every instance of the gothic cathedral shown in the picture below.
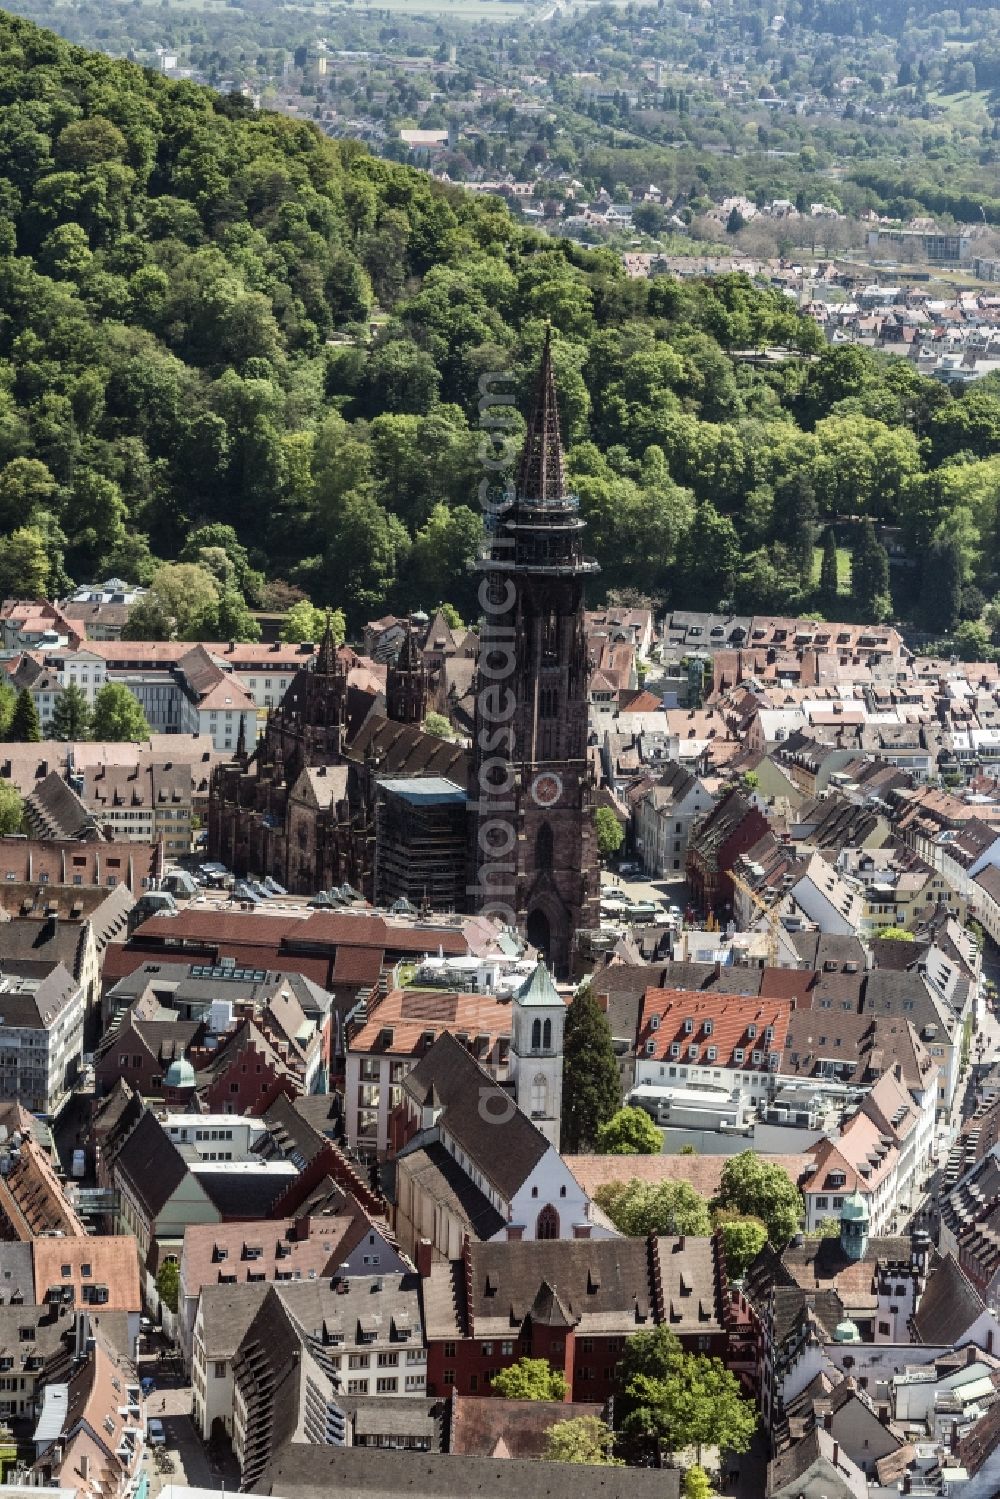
(535, 844)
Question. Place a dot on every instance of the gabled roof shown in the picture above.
(475, 1111)
(949, 1306)
(151, 1164)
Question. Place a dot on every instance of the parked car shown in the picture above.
(155, 1434)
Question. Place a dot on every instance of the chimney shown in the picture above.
(84, 1466)
(425, 1257)
(836, 1453)
(828, 1420)
(681, 1240)
(302, 1227)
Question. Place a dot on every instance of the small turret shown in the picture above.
(855, 1221)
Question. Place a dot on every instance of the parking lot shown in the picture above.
(639, 888)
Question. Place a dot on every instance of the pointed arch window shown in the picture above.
(547, 1036)
(536, 1035)
(547, 1226)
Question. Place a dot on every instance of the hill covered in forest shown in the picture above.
(188, 292)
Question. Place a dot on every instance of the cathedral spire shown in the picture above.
(540, 476)
(326, 660)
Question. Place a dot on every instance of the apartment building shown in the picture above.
(42, 1010)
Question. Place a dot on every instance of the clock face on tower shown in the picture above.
(547, 788)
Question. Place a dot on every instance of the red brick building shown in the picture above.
(572, 1302)
(731, 828)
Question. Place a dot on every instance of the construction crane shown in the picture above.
(770, 914)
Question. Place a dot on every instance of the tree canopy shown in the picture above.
(669, 1207)
(530, 1379)
(591, 1091)
(118, 715)
(187, 382)
(629, 1132)
(669, 1399)
(759, 1189)
(581, 1439)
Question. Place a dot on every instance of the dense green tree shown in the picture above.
(610, 833)
(118, 715)
(796, 514)
(742, 1241)
(758, 1189)
(182, 600)
(8, 702)
(25, 726)
(829, 576)
(629, 1132)
(942, 590)
(440, 559)
(668, 1207)
(437, 724)
(581, 1439)
(591, 1091)
(972, 642)
(668, 1400)
(11, 810)
(304, 621)
(25, 567)
(710, 559)
(168, 1282)
(71, 716)
(530, 1379)
(870, 575)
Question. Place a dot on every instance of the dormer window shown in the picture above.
(688, 1027)
(709, 1027)
(751, 1032)
(675, 1048)
(737, 1053)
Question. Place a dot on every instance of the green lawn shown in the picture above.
(843, 567)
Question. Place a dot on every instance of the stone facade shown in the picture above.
(535, 846)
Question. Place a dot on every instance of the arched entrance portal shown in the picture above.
(539, 933)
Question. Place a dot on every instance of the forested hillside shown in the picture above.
(186, 299)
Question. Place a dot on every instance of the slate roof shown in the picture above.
(505, 1145)
(301, 1470)
(152, 1164)
(949, 1306)
(437, 1175)
(54, 810)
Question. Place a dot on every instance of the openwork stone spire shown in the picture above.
(540, 477)
(326, 660)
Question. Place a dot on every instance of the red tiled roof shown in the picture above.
(357, 965)
(407, 1015)
(721, 1021)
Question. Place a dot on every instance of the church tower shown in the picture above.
(538, 1020)
(536, 850)
(406, 683)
